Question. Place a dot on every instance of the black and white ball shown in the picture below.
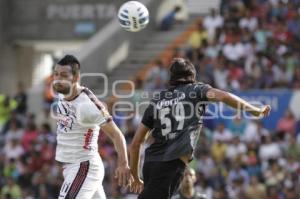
(133, 16)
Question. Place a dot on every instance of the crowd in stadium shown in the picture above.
(250, 44)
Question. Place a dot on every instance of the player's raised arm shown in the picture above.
(122, 172)
(236, 102)
(135, 149)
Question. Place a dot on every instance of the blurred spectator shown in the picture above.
(168, 21)
(218, 151)
(269, 149)
(198, 36)
(212, 22)
(237, 175)
(222, 134)
(187, 189)
(221, 76)
(46, 134)
(274, 175)
(220, 193)
(7, 105)
(251, 132)
(204, 141)
(292, 165)
(205, 165)
(157, 77)
(112, 107)
(11, 190)
(204, 187)
(273, 192)
(235, 76)
(21, 99)
(10, 168)
(131, 126)
(212, 50)
(236, 190)
(293, 149)
(248, 22)
(253, 165)
(30, 135)
(204, 71)
(237, 126)
(47, 150)
(255, 190)
(14, 131)
(236, 149)
(234, 50)
(261, 35)
(262, 131)
(296, 78)
(48, 94)
(287, 124)
(13, 149)
(41, 181)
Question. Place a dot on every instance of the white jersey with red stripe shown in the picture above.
(78, 125)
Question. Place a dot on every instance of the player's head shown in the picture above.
(66, 74)
(189, 178)
(182, 72)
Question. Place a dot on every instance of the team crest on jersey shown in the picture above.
(65, 117)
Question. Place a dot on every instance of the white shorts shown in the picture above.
(83, 180)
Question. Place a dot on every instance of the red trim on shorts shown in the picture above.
(78, 180)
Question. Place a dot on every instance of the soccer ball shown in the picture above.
(133, 16)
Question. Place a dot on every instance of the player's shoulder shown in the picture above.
(87, 91)
(93, 98)
(200, 84)
(200, 87)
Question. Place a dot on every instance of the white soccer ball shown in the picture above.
(133, 16)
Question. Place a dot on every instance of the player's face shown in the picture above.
(63, 79)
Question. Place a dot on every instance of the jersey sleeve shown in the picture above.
(93, 112)
(148, 117)
(201, 90)
(88, 114)
(102, 116)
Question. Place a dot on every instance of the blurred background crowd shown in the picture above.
(246, 44)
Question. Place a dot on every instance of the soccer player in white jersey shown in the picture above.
(79, 117)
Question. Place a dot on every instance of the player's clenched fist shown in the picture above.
(137, 186)
(123, 175)
(265, 111)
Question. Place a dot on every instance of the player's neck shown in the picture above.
(187, 192)
(75, 92)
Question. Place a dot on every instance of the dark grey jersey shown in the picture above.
(175, 117)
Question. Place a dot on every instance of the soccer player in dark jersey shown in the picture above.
(174, 119)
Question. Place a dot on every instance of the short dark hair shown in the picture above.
(182, 71)
(71, 61)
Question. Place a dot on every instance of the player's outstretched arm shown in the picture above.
(122, 172)
(137, 185)
(236, 102)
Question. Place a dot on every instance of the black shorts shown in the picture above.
(161, 179)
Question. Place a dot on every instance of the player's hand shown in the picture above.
(137, 186)
(123, 175)
(265, 111)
